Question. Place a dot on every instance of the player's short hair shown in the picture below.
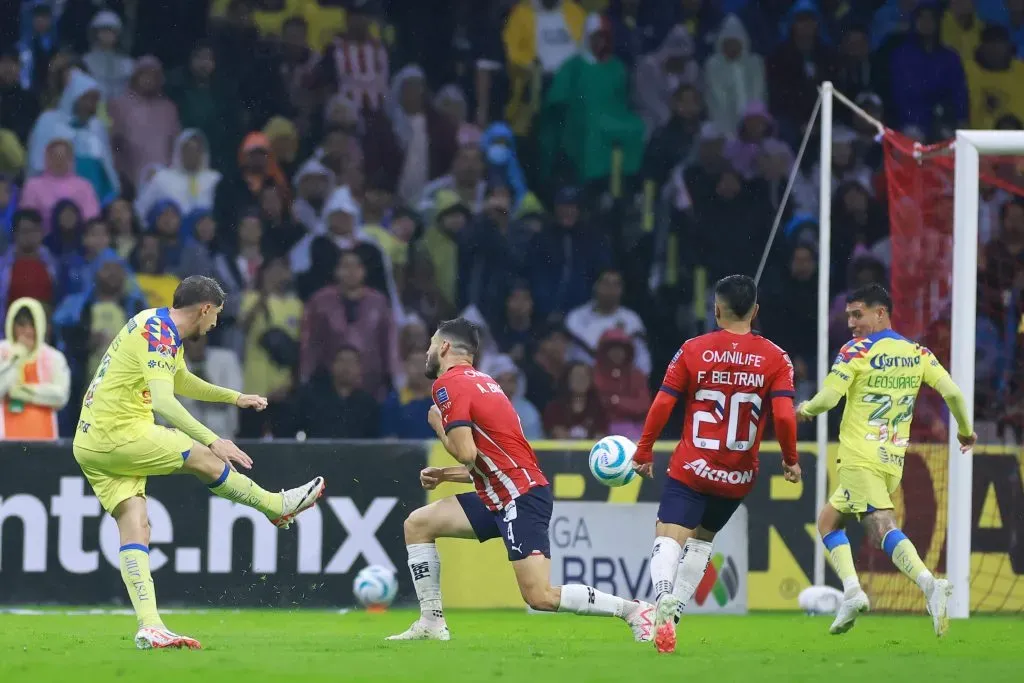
(871, 295)
(738, 293)
(24, 317)
(462, 334)
(198, 289)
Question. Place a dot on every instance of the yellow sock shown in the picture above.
(841, 557)
(139, 582)
(241, 489)
(904, 556)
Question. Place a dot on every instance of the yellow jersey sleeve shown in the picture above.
(841, 376)
(933, 372)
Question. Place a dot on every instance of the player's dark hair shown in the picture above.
(871, 295)
(24, 317)
(462, 334)
(198, 289)
(738, 293)
(22, 215)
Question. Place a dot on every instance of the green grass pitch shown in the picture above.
(278, 645)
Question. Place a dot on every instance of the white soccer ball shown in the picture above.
(611, 460)
(820, 600)
(375, 586)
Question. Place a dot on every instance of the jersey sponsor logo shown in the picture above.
(884, 361)
(734, 357)
(83, 426)
(676, 357)
(162, 364)
(702, 469)
(147, 398)
(442, 395)
(840, 374)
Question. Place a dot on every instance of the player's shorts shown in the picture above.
(120, 474)
(862, 490)
(523, 525)
(689, 508)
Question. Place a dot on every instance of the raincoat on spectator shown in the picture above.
(498, 145)
(731, 85)
(94, 159)
(654, 84)
(144, 127)
(191, 192)
(622, 387)
(111, 69)
(43, 192)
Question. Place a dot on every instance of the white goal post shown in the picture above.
(970, 145)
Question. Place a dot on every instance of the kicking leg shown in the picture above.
(696, 557)
(133, 527)
(444, 518)
(831, 528)
(281, 508)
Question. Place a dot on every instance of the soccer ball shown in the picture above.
(611, 460)
(820, 600)
(375, 586)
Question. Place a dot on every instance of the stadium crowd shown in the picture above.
(571, 175)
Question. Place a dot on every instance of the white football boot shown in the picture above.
(641, 621)
(848, 612)
(938, 605)
(422, 629)
(298, 499)
(665, 623)
(149, 638)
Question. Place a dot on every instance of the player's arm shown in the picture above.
(835, 386)
(937, 378)
(672, 387)
(158, 371)
(430, 477)
(188, 385)
(781, 392)
(451, 419)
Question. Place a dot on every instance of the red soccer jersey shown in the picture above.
(506, 466)
(726, 381)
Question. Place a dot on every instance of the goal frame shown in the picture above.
(969, 146)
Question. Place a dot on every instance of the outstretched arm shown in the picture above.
(188, 385)
(823, 401)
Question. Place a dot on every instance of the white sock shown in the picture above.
(590, 601)
(851, 586)
(926, 581)
(696, 556)
(425, 567)
(664, 563)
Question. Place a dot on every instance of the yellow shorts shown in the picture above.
(120, 474)
(862, 490)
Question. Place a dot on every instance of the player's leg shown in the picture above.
(698, 548)
(524, 527)
(849, 498)
(461, 516)
(280, 507)
(832, 530)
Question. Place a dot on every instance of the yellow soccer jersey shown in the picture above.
(117, 407)
(880, 375)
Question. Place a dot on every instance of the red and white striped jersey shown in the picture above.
(362, 70)
(506, 466)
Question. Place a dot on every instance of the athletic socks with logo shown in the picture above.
(241, 489)
(664, 564)
(425, 568)
(841, 558)
(904, 555)
(696, 556)
(589, 601)
(139, 582)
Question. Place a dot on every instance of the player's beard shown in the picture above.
(433, 369)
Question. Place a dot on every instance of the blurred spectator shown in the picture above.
(1002, 259)
(847, 167)
(513, 383)
(586, 115)
(789, 308)
(189, 181)
(313, 184)
(124, 227)
(961, 29)
(451, 102)
(756, 128)
(350, 313)
(576, 412)
(270, 317)
(38, 45)
(620, 384)
(218, 366)
(859, 70)
(245, 263)
(164, 220)
(66, 229)
(423, 296)
(733, 76)
(859, 222)
(995, 78)
(257, 168)
(334, 404)
(797, 67)
(514, 334)
(403, 414)
(356, 64)
(59, 182)
(634, 28)
(75, 119)
(928, 79)
(396, 243)
(442, 242)
(892, 21)
(466, 179)
(673, 143)
(202, 253)
(546, 365)
(701, 19)
(284, 143)
(280, 231)
(298, 64)
(723, 246)
(861, 270)
(57, 78)
(338, 151)
(156, 284)
(27, 269)
(492, 256)
(8, 205)
(18, 107)
(410, 144)
(659, 74)
(206, 100)
(565, 258)
(502, 163)
(106, 63)
(588, 323)
(12, 153)
(35, 381)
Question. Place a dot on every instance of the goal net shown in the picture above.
(919, 181)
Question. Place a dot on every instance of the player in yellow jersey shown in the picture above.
(117, 444)
(879, 372)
